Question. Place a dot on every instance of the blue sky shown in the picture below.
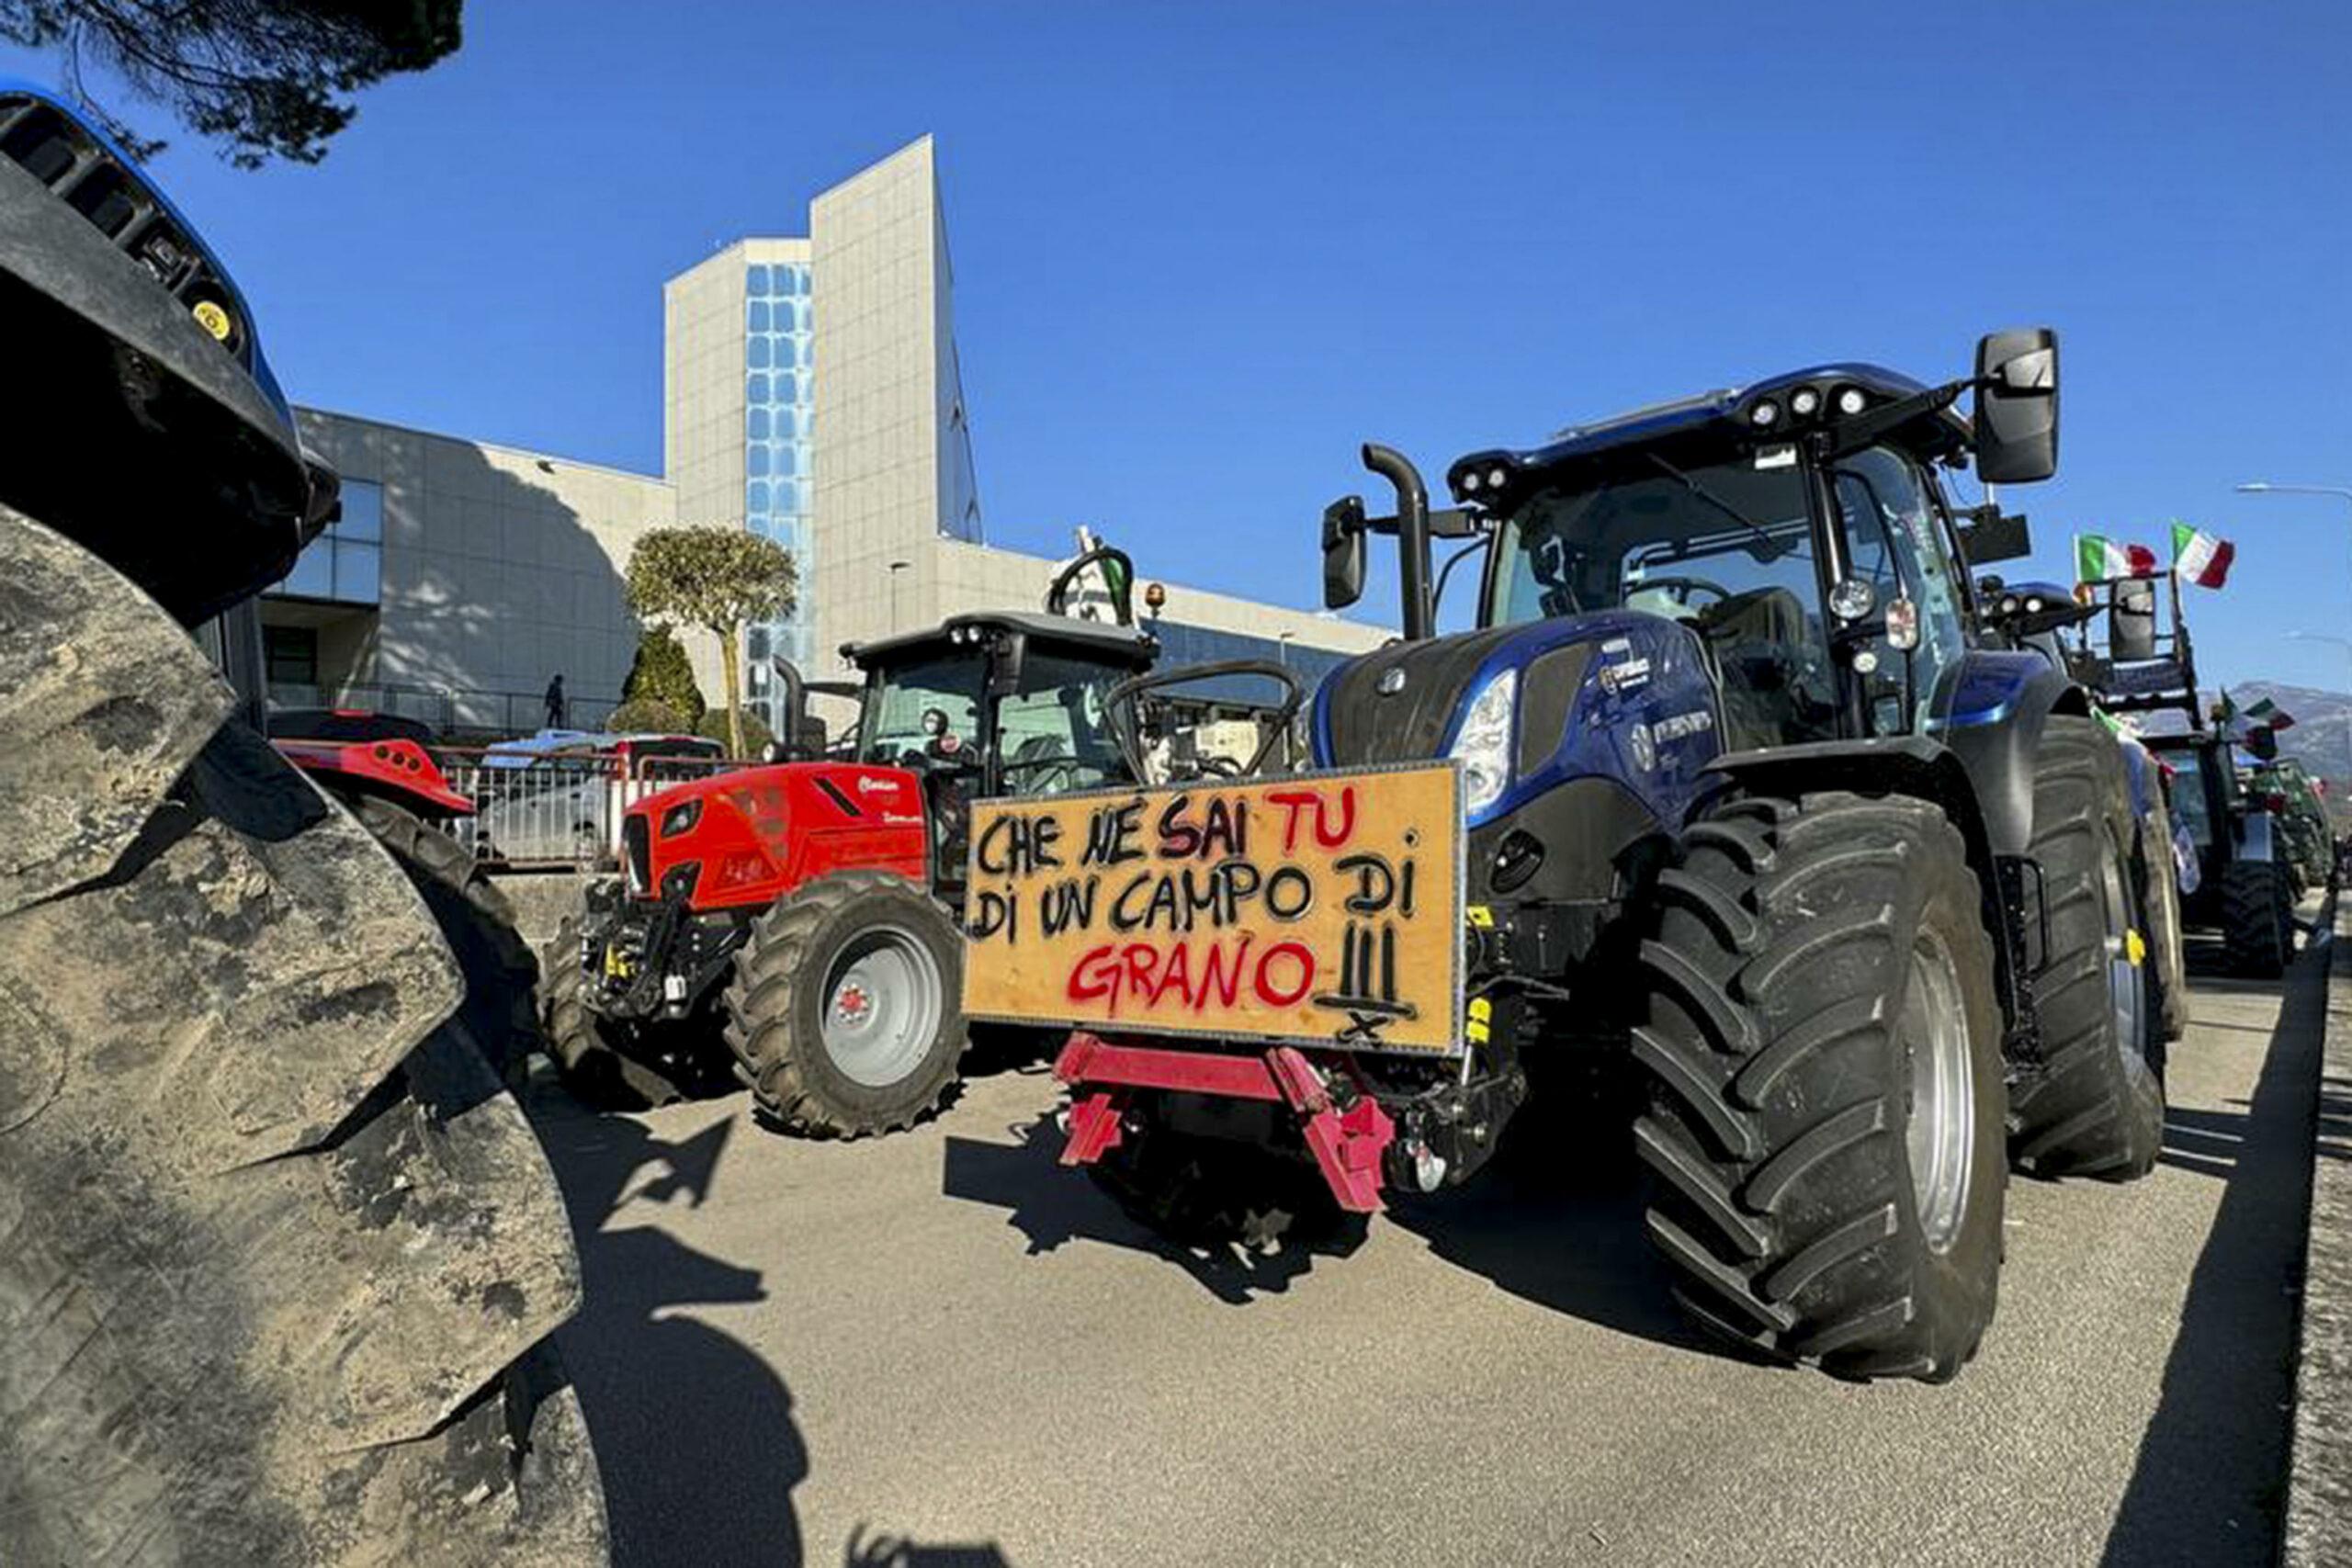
(1204, 250)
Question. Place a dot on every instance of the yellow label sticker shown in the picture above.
(2135, 947)
(212, 319)
(1481, 916)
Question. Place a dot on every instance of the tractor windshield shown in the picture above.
(1727, 548)
(2188, 801)
(1053, 732)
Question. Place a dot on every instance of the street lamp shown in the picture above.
(1282, 647)
(2345, 644)
(896, 566)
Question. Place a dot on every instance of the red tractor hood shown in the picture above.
(749, 837)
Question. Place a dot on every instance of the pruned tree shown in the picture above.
(267, 78)
(718, 578)
(662, 673)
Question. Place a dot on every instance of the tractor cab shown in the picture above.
(991, 703)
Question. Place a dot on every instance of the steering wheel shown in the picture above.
(1687, 584)
(1063, 776)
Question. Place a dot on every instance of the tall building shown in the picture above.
(812, 393)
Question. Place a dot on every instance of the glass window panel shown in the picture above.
(791, 280)
(755, 280)
(788, 461)
(755, 354)
(358, 572)
(363, 511)
(756, 422)
(788, 423)
(755, 388)
(755, 315)
(788, 388)
(313, 574)
(755, 496)
(755, 459)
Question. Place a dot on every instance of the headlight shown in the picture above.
(1484, 743)
(680, 817)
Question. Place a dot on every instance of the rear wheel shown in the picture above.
(2098, 1106)
(2257, 919)
(843, 1013)
(1822, 1040)
(278, 1257)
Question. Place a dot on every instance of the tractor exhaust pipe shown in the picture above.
(1412, 536)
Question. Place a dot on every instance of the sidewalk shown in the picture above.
(2318, 1527)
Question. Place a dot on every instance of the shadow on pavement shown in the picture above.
(1053, 1205)
(1565, 1232)
(692, 1429)
(1557, 1220)
(2206, 1487)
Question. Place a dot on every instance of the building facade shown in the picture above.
(812, 393)
(462, 578)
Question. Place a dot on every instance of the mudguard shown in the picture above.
(1993, 723)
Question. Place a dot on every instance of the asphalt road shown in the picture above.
(941, 1348)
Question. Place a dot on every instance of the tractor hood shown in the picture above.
(1618, 696)
(745, 838)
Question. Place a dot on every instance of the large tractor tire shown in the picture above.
(278, 1259)
(844, 1012)
(2257, 919)
(501, 976)
(2158, 878)
(2096, 1106)
(1822, 1042)
(594, 1055)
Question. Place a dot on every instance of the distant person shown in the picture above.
(555, 703)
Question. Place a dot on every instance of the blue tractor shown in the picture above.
(1757, 809)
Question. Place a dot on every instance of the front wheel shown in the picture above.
(845, 1011)
(1822, 1042)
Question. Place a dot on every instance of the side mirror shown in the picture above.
(1995, 534)
(2017, 406)
(1344, 552)
(2131, 622)
(1005, 663)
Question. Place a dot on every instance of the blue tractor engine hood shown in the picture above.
(1616, 696)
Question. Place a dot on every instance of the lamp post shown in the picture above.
(2264, 487)
(1282, 647)
(896, 566)
(2345, 644)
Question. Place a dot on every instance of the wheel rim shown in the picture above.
(2126, 976)
(1942, 1134)
(882, 1007)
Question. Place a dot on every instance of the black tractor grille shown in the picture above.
(1408, 724)
(635, 846)
(47, 144)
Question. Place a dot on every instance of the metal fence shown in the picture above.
(563, 809)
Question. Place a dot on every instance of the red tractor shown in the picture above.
(806, 912)
(380, 767)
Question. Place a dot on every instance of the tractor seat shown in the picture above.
(1759, 640)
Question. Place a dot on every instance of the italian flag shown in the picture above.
(2098, 559)
(2200, 558)
(2266, 712)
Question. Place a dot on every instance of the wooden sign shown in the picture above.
(1320, 909)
